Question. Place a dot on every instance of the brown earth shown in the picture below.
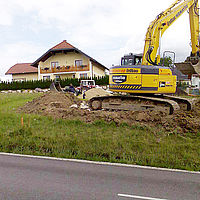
(57, 105)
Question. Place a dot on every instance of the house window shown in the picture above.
(83, 75)
(73, 76)
(78, 63)
(46, 78)
(54, 64)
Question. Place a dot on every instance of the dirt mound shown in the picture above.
(47, 103)
(58, 105)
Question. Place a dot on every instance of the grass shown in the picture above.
(99, 141)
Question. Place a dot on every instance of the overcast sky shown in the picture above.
(103, 29)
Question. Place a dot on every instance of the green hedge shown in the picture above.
(46, 84)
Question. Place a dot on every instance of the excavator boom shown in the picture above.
(151, 53)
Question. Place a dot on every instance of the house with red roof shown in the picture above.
(23, 72)
(61, 61)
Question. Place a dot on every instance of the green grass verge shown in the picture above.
(99, 141)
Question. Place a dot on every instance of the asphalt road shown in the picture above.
(33, 178)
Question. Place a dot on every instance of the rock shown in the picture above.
(38, 90)
(45, 90)
(74, 106)
(6, 92)
(84, 106)
(25, 91)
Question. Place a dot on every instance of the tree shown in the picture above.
(167, 61)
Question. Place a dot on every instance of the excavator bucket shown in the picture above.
(188, 68)
(55, 86)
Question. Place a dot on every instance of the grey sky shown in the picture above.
(105, 30)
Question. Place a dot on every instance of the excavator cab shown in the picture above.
(131, 59)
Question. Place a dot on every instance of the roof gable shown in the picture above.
(22, 68)
(63, 45)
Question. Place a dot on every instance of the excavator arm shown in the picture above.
(151, 54)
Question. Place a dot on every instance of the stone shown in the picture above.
(84, 106)
(38, 90)
(74, 106)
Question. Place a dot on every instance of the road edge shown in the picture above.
(99, 163)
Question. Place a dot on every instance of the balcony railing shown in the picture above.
(59, 69)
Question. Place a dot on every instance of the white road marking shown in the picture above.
(138, 197)
(98, 163)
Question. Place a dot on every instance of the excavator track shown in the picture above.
(184, 103)
(134, 103)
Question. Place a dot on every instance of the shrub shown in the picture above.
(43, 84)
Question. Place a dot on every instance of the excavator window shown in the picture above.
(131, 59)
(137, 61)
(126, 61)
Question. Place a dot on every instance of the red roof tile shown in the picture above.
(22, 68)
(63, 45)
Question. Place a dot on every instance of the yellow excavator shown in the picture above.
(145, 84)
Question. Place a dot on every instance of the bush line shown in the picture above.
(43, 84)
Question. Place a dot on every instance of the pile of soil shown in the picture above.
(50, 103)
(59, 105)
